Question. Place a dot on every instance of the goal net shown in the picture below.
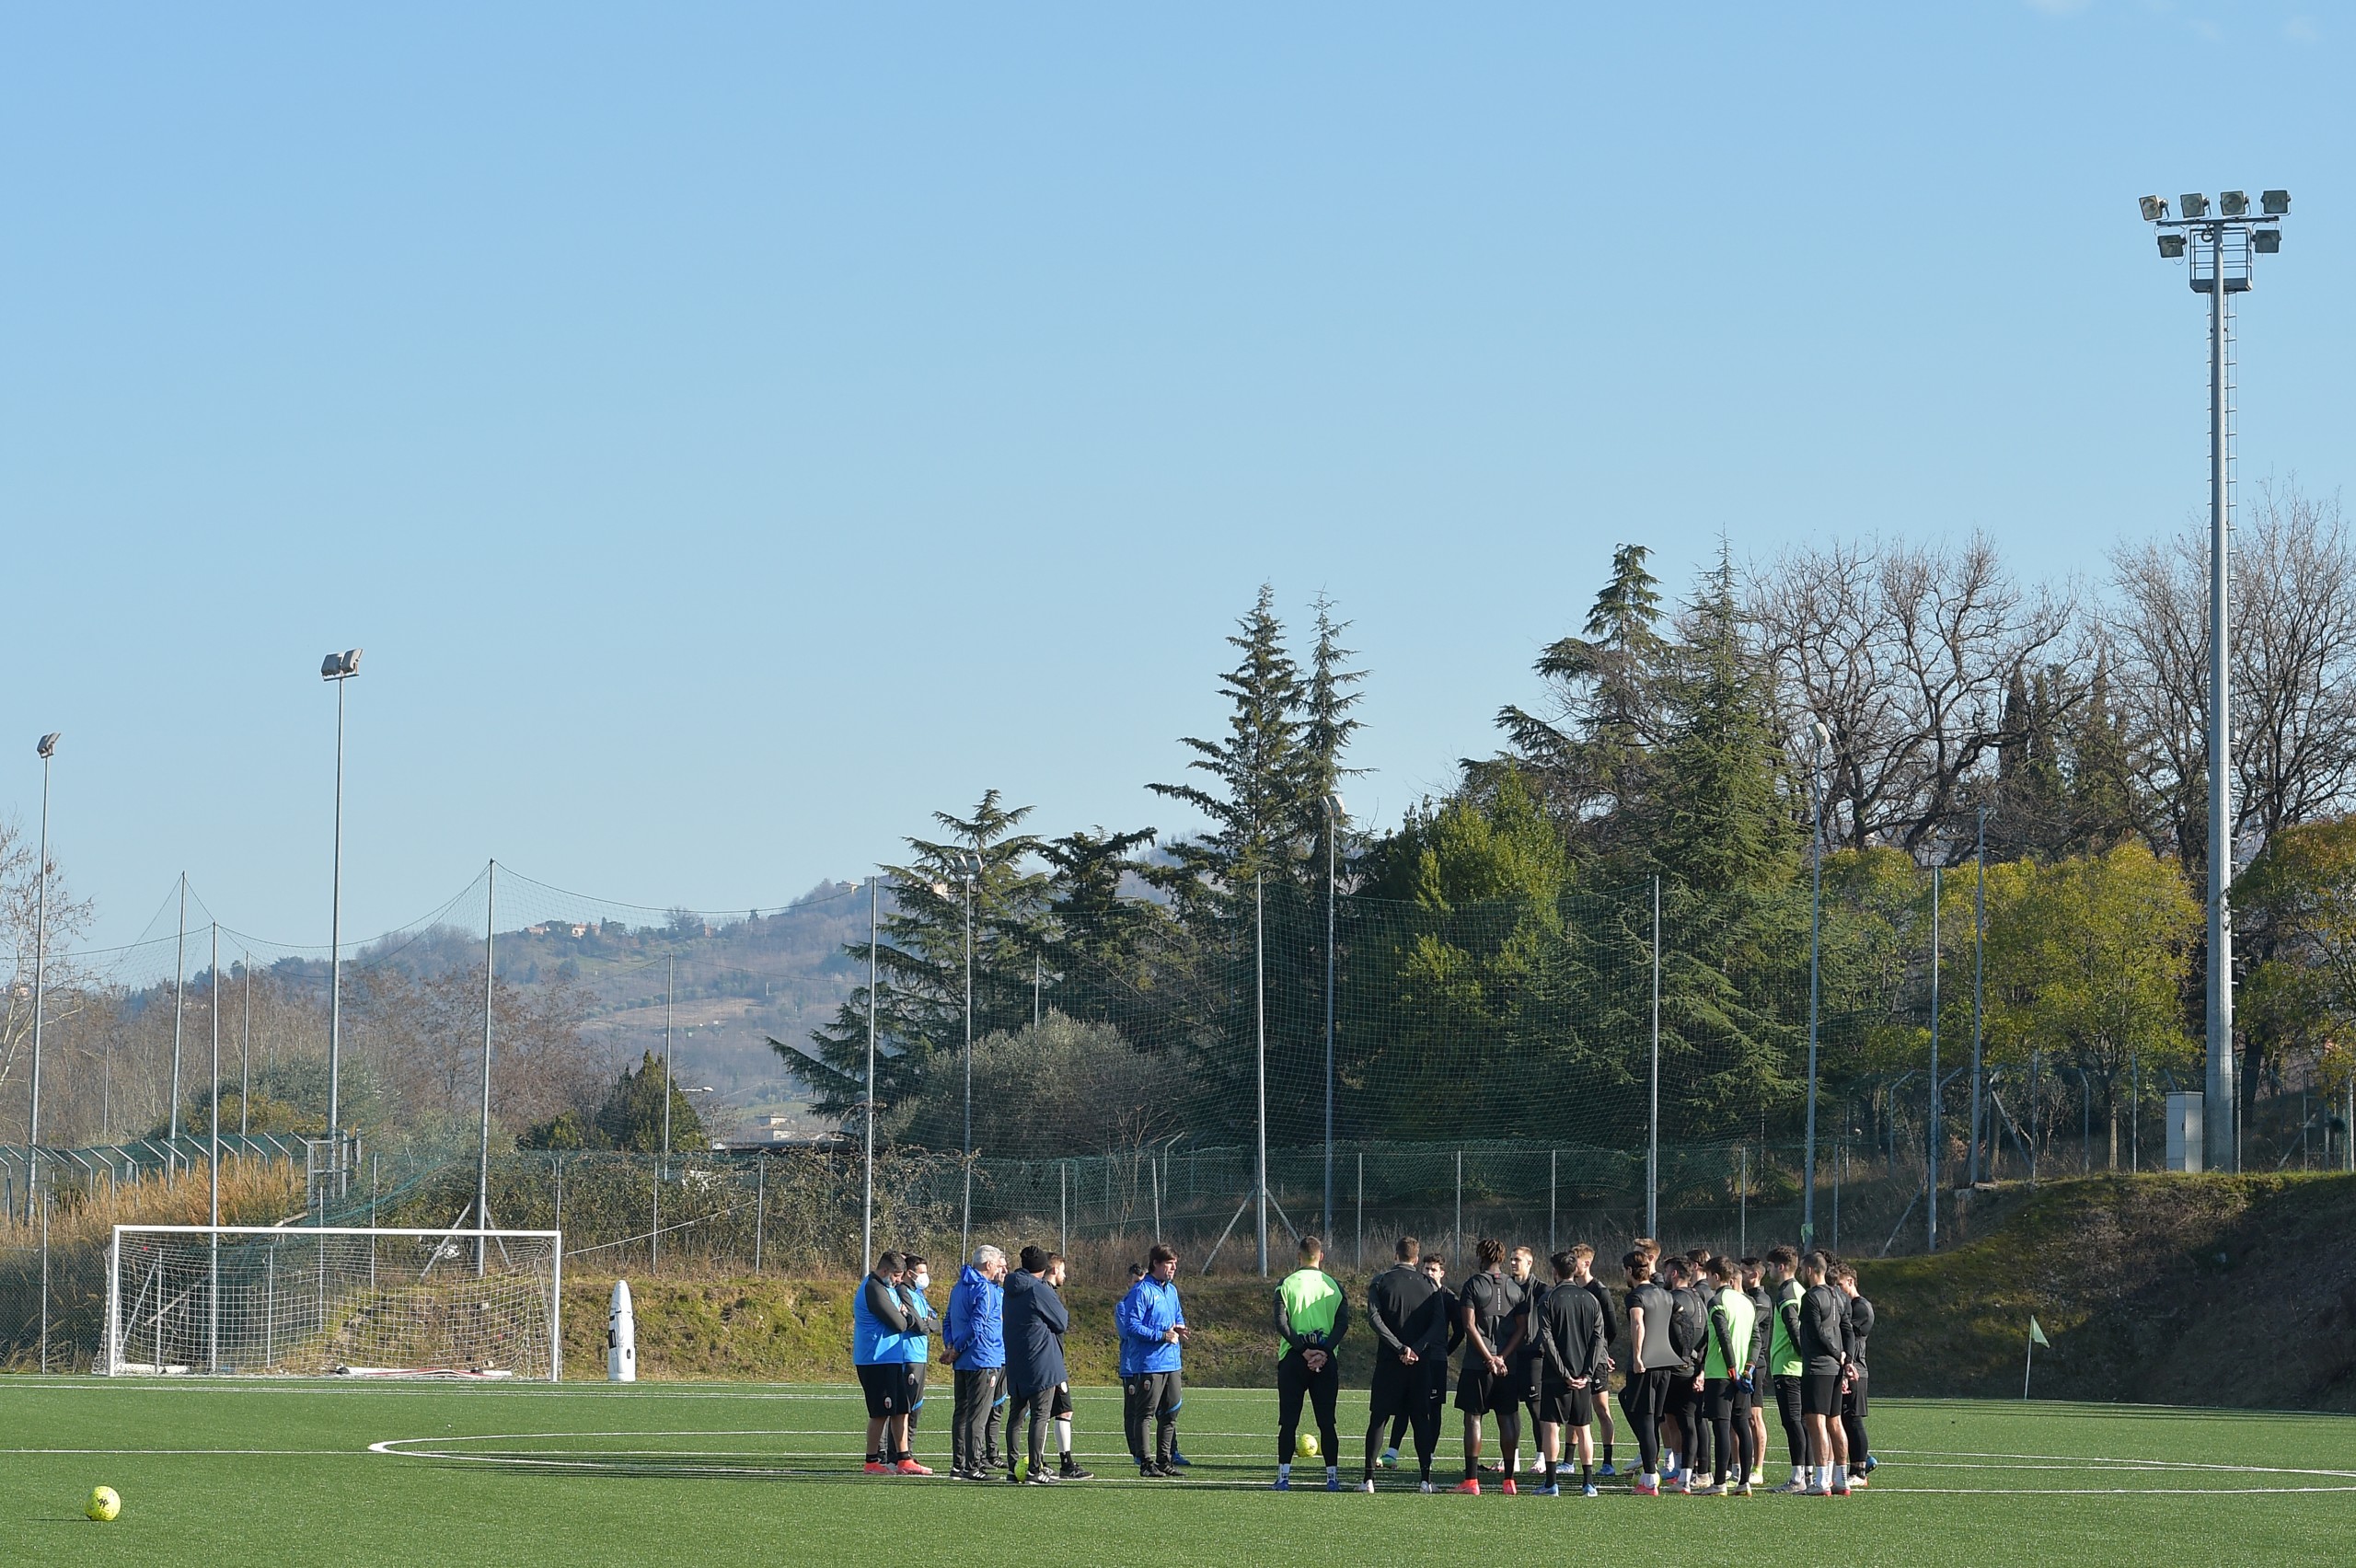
(310, 1302)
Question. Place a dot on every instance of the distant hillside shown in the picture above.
(735, 984)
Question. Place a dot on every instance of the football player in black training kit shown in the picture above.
(1572, 1362)
(1489, 1308)
(1852, 1403)
(1408, 1314)
(1824, 1357)
(1522, 1267)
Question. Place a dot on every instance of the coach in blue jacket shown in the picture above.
(1153, 1334)
(1036, 1320)
(973, 1339)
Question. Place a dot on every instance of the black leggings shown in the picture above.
(1293, 1379)
(1686, 1404)
(1408, 1395)
(1730, 1405)
(1640, 1399)
(1853, 1422)
(1787, 1408)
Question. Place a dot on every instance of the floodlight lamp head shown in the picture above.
(2267, 242)
(49, 744)
(340, 666)
(2234, 203)
(2274, 204)
(2155, 209)
(2172, 247)
(1823, 735)
(2193, 205)
(1335, 809)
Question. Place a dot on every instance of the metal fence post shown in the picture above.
(1456, 1240)
(1550, 1201)
(1360, 1250)
(761, 1206)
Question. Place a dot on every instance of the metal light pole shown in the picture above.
(1260, 1014)
(1652, 1117)
(2224, 251)
(336, 669)
(969, 868)
(1334, 814)
(48, 750)
(670, 981)
(1979, 983)
(1815, 971)
(1931, 1155)
(179, 985)
(867, 1198)
(489, 973)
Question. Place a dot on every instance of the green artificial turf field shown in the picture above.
(261, 1472)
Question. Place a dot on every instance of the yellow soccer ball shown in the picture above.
(104, 1504)
(1306, 1445)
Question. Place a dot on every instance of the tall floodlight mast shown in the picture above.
(2221, 247)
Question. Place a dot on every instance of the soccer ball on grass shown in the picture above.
(104, 1504)
(1306, 1445)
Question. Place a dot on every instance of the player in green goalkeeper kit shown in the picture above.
(1311, 1316)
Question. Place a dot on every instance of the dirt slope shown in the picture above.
(2176, 1289)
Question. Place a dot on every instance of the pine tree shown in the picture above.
(1327, 726)
(1260, 771)
(1592, 759)
(921, 961)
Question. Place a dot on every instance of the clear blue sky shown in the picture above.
(736, 431)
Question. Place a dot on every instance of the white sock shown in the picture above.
(1824, 1477)
(1333, 1472)
(1800, 1475)
(1063, 1433)
(1840, 1475)
(1284, 1470)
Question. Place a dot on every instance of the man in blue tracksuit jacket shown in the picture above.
(1153, 1332)
(973, 1339)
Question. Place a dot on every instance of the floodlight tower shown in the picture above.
(2223, 247)
(336, 669)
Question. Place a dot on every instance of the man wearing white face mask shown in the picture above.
(916, 1349)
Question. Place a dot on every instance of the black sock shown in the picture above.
(874, 1456)
(1586, 1477)
(1546, 1471)
(1607, 1453)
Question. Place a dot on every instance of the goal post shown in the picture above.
(250, 1300)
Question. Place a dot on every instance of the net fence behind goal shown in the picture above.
(309, 1301)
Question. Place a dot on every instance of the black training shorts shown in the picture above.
(1820, 1394)
(1481, 1390)
(1566, 1406)
(912, 1387)
(1059, 1402)
(884, 1383)
(1854, 1401)
(1393, 1389)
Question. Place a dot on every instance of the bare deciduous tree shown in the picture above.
(2294, 653)
(1904, 652)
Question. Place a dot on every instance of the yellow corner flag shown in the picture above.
(2035, 1334)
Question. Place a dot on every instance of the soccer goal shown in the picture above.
(237, 1300)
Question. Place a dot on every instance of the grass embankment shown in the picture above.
(771, 1329)
(2213, 1290)
(2216, 1290)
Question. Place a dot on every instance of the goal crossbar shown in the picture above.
(311, 1300)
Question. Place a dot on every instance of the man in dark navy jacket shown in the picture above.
(1036, 1320)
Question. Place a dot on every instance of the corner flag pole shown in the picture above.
(2035, 1337)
